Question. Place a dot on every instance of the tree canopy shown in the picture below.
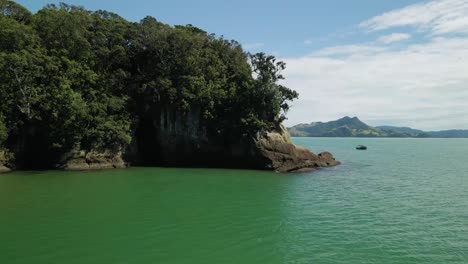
(77, 77)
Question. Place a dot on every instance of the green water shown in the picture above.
(401, 201)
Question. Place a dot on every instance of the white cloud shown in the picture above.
(349, 49)
(437, 17)
(422, 85)
(392, 38)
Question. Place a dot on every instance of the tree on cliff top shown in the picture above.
(15, 11)
(75, 77)
(271, 97)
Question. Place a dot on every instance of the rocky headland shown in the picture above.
(272, 150)
(108, 93)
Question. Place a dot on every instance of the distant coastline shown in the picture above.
(353, 127)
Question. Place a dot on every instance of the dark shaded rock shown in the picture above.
(165, 137)
(184, 144)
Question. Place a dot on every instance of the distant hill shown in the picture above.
(353, 127)
(406, 130)
(455, 133)
(344, 127)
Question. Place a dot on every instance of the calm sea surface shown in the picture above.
(401, 201)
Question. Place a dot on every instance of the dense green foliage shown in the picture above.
(75, 77)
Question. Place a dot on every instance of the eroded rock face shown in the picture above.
(4, 162)
(280, 154)
(4, 168)
(93, 160)
(166, 137)
(181, 141)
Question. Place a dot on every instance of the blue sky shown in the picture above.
(395, 62)
(287, 28)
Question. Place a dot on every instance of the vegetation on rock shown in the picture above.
(77, 80)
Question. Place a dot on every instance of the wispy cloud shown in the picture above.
(361, 49)
(392, 38)
(437, 17)
(423, 85)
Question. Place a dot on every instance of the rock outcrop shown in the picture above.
(177, 139)
(4, 162)
(169, 138)
(93, 160)
(281, 155)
